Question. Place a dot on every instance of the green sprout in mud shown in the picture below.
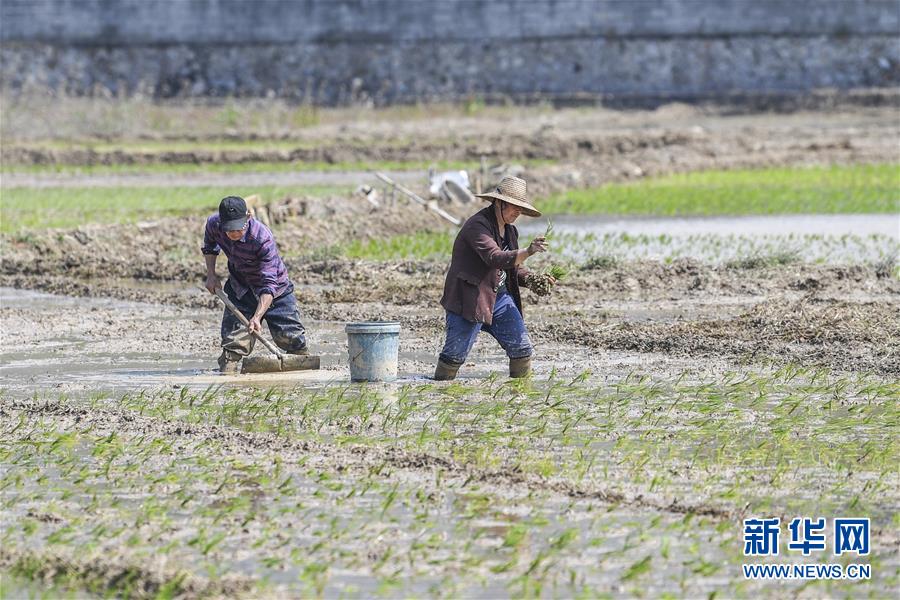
(610, 250)
(833, 189)
(548, 233)
(403, 483)
(557, 272)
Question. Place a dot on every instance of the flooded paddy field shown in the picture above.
(597, 483)
(689, 373)
(835, 239)
(658, 418)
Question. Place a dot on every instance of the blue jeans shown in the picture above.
(507, 327)
(283, 319)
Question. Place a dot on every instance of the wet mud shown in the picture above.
(843, 301)
(73, 358)
(272, 488)
(841, 335)
(103, 572)
(355, 458)
(670, 398)
(840, 316)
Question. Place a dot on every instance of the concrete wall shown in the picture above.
(332, 51)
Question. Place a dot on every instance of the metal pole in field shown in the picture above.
(416, 198)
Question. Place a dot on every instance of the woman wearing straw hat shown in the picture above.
(481, 292)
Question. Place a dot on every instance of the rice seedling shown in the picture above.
(557, 272)
(592, 251)
(758, 260)
(601, 262)
(274, 473)
(420, 245)
(836, 189)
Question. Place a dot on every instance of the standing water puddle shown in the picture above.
(826, 225)
(814, 238)
(158, 348)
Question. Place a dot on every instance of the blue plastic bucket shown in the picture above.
(373, 349)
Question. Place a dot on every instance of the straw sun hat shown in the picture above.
(512, 190)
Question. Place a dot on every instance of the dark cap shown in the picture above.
(232, 213)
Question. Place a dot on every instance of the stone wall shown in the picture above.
(335, 51)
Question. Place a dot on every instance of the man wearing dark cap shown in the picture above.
(481, 291)
(257, 283)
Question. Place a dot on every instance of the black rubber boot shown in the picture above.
(445, 371)
(228, 364)
(520, 367)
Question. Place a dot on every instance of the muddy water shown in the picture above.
(604, 538)
(87, 353)
(826, 225)
(86, 346)
(835, 239)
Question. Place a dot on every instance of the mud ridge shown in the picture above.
(108, 572)
(540, 145)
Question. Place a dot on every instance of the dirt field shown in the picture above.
(671, 399)
(590, 147)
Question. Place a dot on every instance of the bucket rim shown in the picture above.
(373, 327)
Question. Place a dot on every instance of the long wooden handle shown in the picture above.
(234, 309)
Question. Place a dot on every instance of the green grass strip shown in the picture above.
(40, 208)
(421, 245)
(818, 190)
(847, 189)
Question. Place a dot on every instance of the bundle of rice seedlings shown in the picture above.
(557, 272)
(541, 283)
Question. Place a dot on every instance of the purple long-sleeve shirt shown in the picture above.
(253, 261)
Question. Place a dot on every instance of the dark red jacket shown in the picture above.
(470, 289)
